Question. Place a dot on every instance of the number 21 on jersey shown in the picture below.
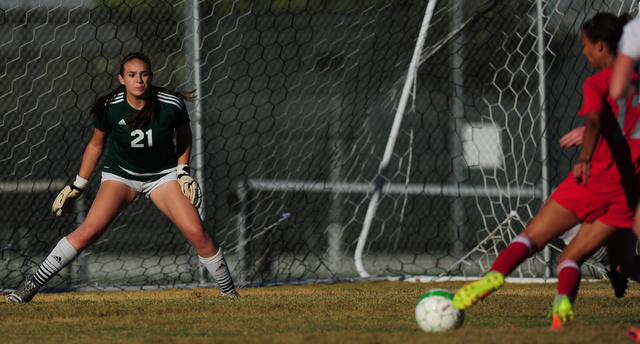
(139, 138)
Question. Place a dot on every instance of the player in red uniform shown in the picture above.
(601, 191)
(619, 255)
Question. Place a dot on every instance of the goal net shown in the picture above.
(327, 146)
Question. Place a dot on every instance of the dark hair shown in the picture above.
(150, 108)
(607, 28)
(134, 56)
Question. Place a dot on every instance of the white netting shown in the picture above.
(296, 100)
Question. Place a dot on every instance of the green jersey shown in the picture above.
(146, 153)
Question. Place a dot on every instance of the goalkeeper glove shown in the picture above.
(67, 197)
(190, 187)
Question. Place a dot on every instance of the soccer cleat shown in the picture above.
(474, 292)
(562, 311)
(634, 334)
(556, 323)
(231, 294)
(618, 282)
(25, 293)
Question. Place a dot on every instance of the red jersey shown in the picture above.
(611, 193)
(596, 98)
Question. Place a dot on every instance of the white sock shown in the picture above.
(217, 267)
(59, 257)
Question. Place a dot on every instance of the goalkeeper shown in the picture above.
(138, 122)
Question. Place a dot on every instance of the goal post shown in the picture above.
(391, 141)
(319, 157)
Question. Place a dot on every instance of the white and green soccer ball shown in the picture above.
(435, 311)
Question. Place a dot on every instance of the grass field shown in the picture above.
(366, 312)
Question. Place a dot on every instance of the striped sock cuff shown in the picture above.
(568, 264)
(526, 240)
(217, 267)
(59, 257)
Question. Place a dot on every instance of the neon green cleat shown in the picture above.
(562, 311)
(474, 292)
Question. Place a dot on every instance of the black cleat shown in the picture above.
(618, 282)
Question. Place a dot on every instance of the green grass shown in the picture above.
(368, 312)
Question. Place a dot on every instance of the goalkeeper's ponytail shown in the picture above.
(99, 107)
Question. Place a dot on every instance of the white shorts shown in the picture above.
(142, 187)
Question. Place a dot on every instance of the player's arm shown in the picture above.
(190, 187)
(63, 203)
(572, 138)
(582, 168)
(92, 153)
(620, 84)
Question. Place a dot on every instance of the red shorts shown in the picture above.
(607, 205)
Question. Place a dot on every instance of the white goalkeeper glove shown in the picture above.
(190, 187)
(67, 197)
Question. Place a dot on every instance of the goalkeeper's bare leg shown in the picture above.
(186, 217)
(111, 199)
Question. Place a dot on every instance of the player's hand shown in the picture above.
(582, 171)
(190, 187)
(573, 138)
(67, 197)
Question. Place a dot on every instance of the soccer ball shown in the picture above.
(435, 311)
